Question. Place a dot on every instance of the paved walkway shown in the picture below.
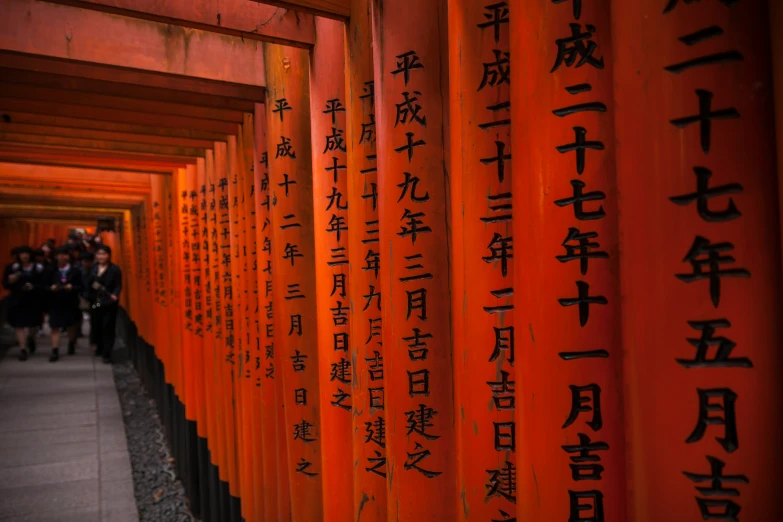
(63, 454)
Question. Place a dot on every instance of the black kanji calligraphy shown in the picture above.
(578, 45)
(704, 193)
(585, 399)
(724, 415)
(706, 259)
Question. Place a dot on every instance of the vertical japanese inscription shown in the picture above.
(483, 260)
(333, 296)
(412, 162)
(704, 340)
(366, 346)
(580, 65)
(293, 261)
(569, 400)
(711, 262)
(184, 235)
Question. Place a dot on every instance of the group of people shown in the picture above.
(63, 283)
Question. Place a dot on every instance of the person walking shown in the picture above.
(64, 283)
(86, 260)
(105, 285)
(23, 279)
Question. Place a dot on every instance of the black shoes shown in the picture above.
(106, 360)
(23, 355)
(31, 344)
(55, 355)
(71, 347)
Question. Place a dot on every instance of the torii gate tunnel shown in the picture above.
(428, 260)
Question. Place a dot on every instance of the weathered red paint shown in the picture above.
(369, 484)
(412, 165)
(483, 257)
(28, 26)
(231, 17)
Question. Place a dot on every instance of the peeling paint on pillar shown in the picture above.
(369, 420)
(271, 477)
(293, 264)
(411, 79)
(701, 275)
(482, 260)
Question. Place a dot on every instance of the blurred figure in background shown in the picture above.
(23, 279)
(105, 285)
(86, 259)
(64, 283)
(48, 255)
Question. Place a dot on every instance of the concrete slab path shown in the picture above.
(63, 452)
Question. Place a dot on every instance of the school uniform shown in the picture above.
(101, 288)
(64, 304)
(25, 308)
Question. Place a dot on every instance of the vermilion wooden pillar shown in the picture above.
(224, 154)
(293, 264)
(369, 451)
(243, 317)
(411, 110)
(700, 268)
(213, 349)
(253, 369)
(199, 259)
(144, 269)
(187, 183)
(173, 269)
(570, 449)
(129, 239)
(204, 379)
(271, 478)
(168, 354)
(333, 298)
(483, 260)
(232, 311)
(222, 237)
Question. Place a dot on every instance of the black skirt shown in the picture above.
(63, 315)
(25, 311)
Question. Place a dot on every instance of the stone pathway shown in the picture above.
(63, 452)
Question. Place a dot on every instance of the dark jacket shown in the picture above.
(72, 277)
(63, 304)
(24, 304)
(101, 288)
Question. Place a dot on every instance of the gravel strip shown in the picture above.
(159, 494)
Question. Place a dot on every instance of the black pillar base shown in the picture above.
(236, 509)
(225, 502)
(214, 492)
(202, 457)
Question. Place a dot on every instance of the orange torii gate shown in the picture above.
(476, 261)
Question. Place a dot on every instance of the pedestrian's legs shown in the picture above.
(31, 338)
(96, 330)
(108, 327)
(21, 338)
(55, 344)
(72, 335)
